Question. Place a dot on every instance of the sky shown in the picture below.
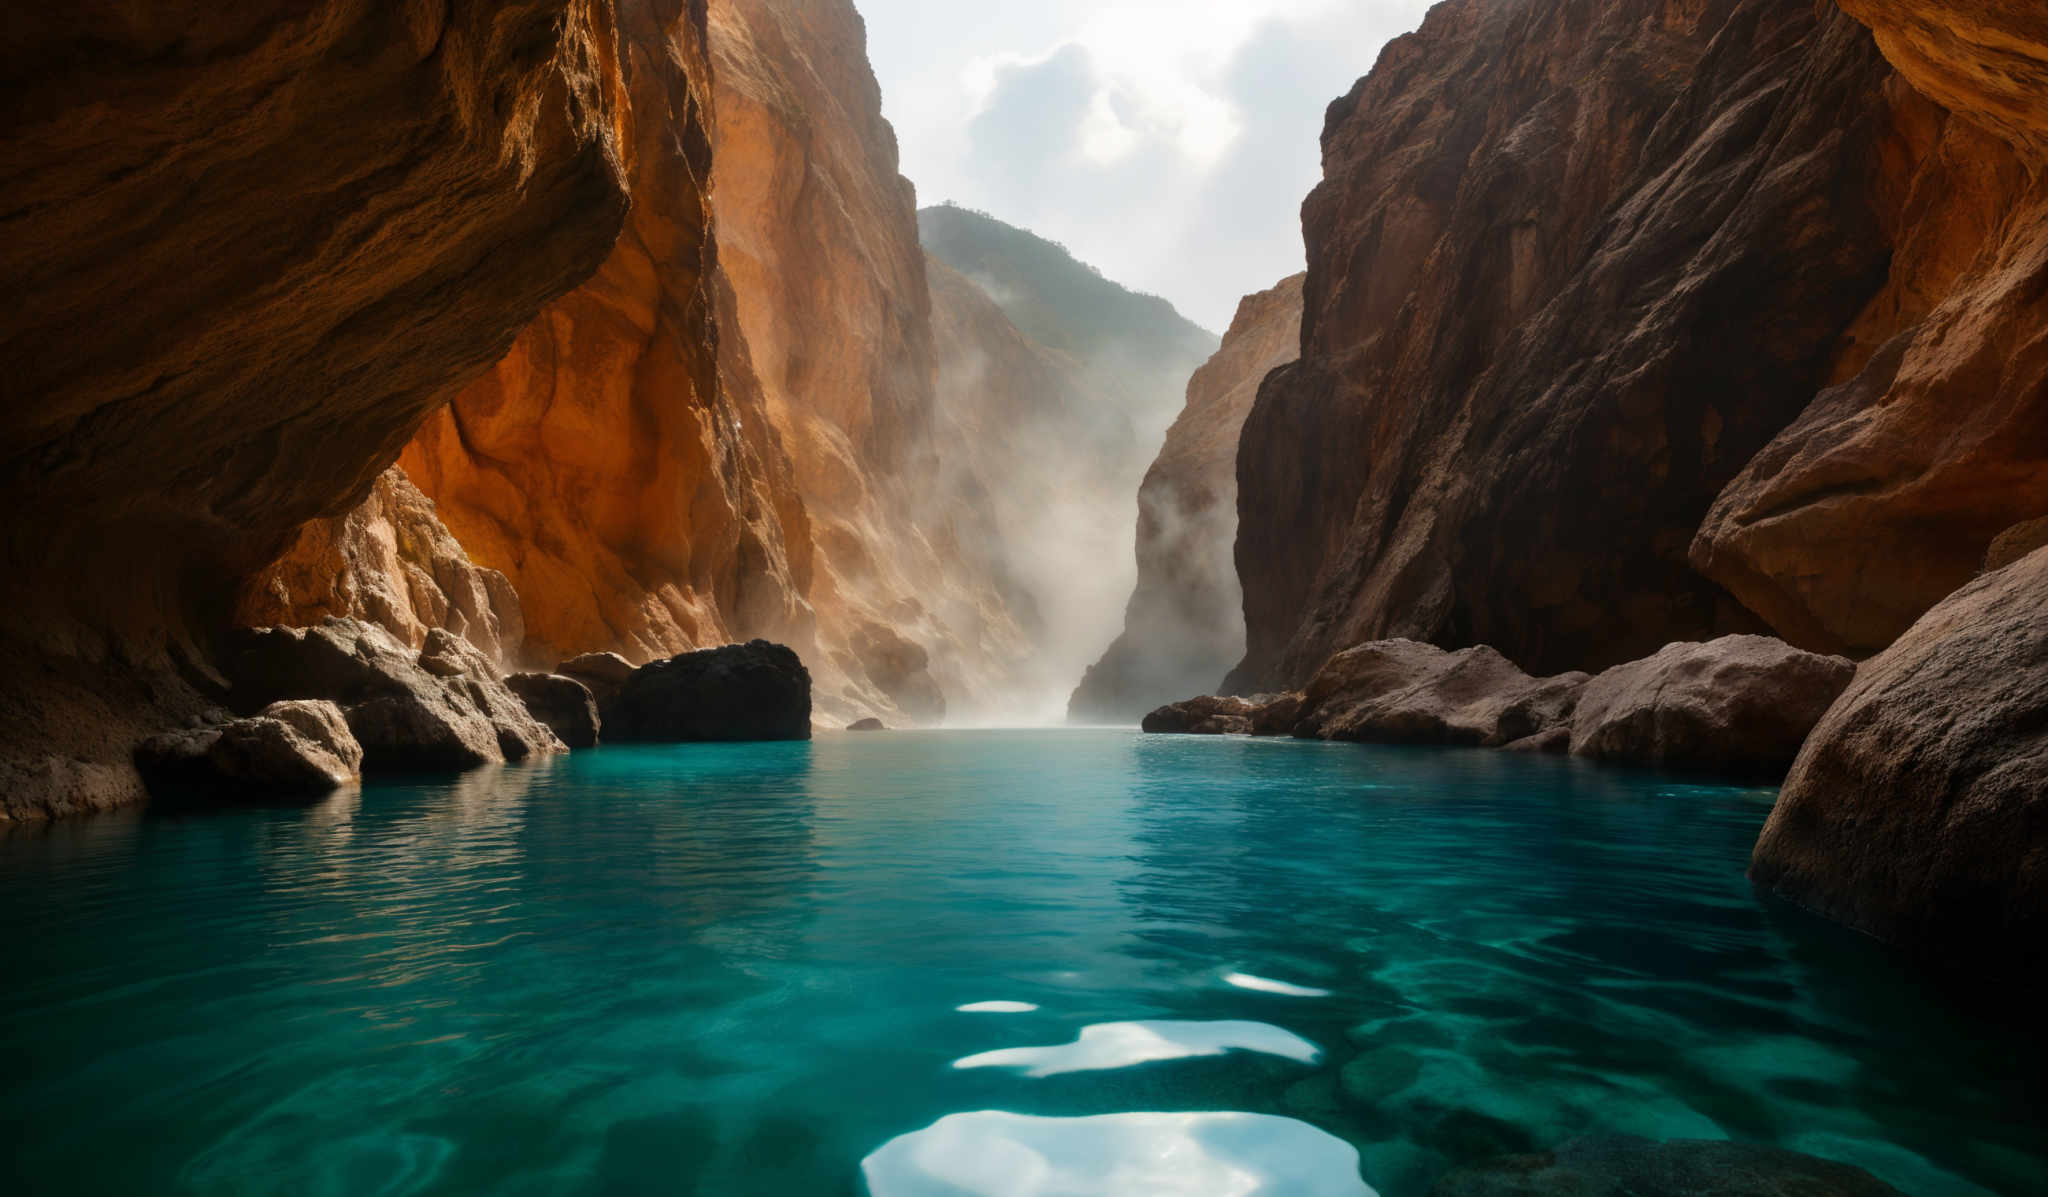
(1167, 142)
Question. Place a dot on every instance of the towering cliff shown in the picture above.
(818, 233)
(1184, 624)
(636, 501)
(248, 252)
(1637, 322)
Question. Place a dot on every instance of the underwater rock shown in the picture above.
(1740, 705)
(440, 708)
(1918, 811)
(563, 703)
(291, 748)
(1404, 691)
(741, 692)
(1625, 1166)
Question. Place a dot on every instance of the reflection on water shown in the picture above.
(996, 1154)
(743, 968)
(1125, 1044)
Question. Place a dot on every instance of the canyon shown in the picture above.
(569, 326)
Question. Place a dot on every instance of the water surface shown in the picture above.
(741, 969)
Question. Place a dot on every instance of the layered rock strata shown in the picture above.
(247, 253)
(1184, 624)
(1918, 810)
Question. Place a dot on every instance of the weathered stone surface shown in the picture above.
(635, 500)
(291, 749)
(1740, 705)
(601, 673)
(1212, 715)
(753, 691)
(247, 249)
(563, 703)
(393, 563)
(1986, 60)
(1571, 265)
(440, 708)
(1403, 691)
(1184, 625)
(1624, 1166)
(1918, 810)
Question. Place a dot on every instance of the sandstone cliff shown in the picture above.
(635, 498)
(1638, 322)
(1184, 625)
(247, 252)
(1571, 265)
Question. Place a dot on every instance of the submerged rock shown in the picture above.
(1624, 1166)
(754, 691)
(563, 703)
(290, 749)
(442, 708)
(1918, 810)
(1738, 705)
(1409, 692)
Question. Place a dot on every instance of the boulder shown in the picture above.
(1404, 691)
(1625, 1166)
(1918, 810)
(754, 691)
(1740, 705)
(867, 725)
(440, 708)
(1211, 715)
(601, 673)
(563, 703)
(291, 749)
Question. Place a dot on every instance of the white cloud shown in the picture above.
(1169, 142)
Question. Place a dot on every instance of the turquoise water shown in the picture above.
(734, 970)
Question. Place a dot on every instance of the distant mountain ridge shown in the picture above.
(1059, 301)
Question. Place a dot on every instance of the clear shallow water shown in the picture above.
(736, 970)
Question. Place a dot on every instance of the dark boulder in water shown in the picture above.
(1918, 810)
(563, 703)
(754, 691)
(1624, 1166)
(1210, 715)
(291, 749)
(867, 725)
(1408, 692)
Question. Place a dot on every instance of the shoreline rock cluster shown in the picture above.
(330, 703)
(1739, 705)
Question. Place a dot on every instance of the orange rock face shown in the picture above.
(390, 562)
(1184, 626)
(1985, 60)
(247, 251)
(636, 501)
(1884, 496)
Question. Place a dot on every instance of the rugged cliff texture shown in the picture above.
(818, 233)
(636, 499)
(390, 562)
(247, 252)
(1638, 322)
(1571, 265)
(1184, 625)
(1885, 494)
